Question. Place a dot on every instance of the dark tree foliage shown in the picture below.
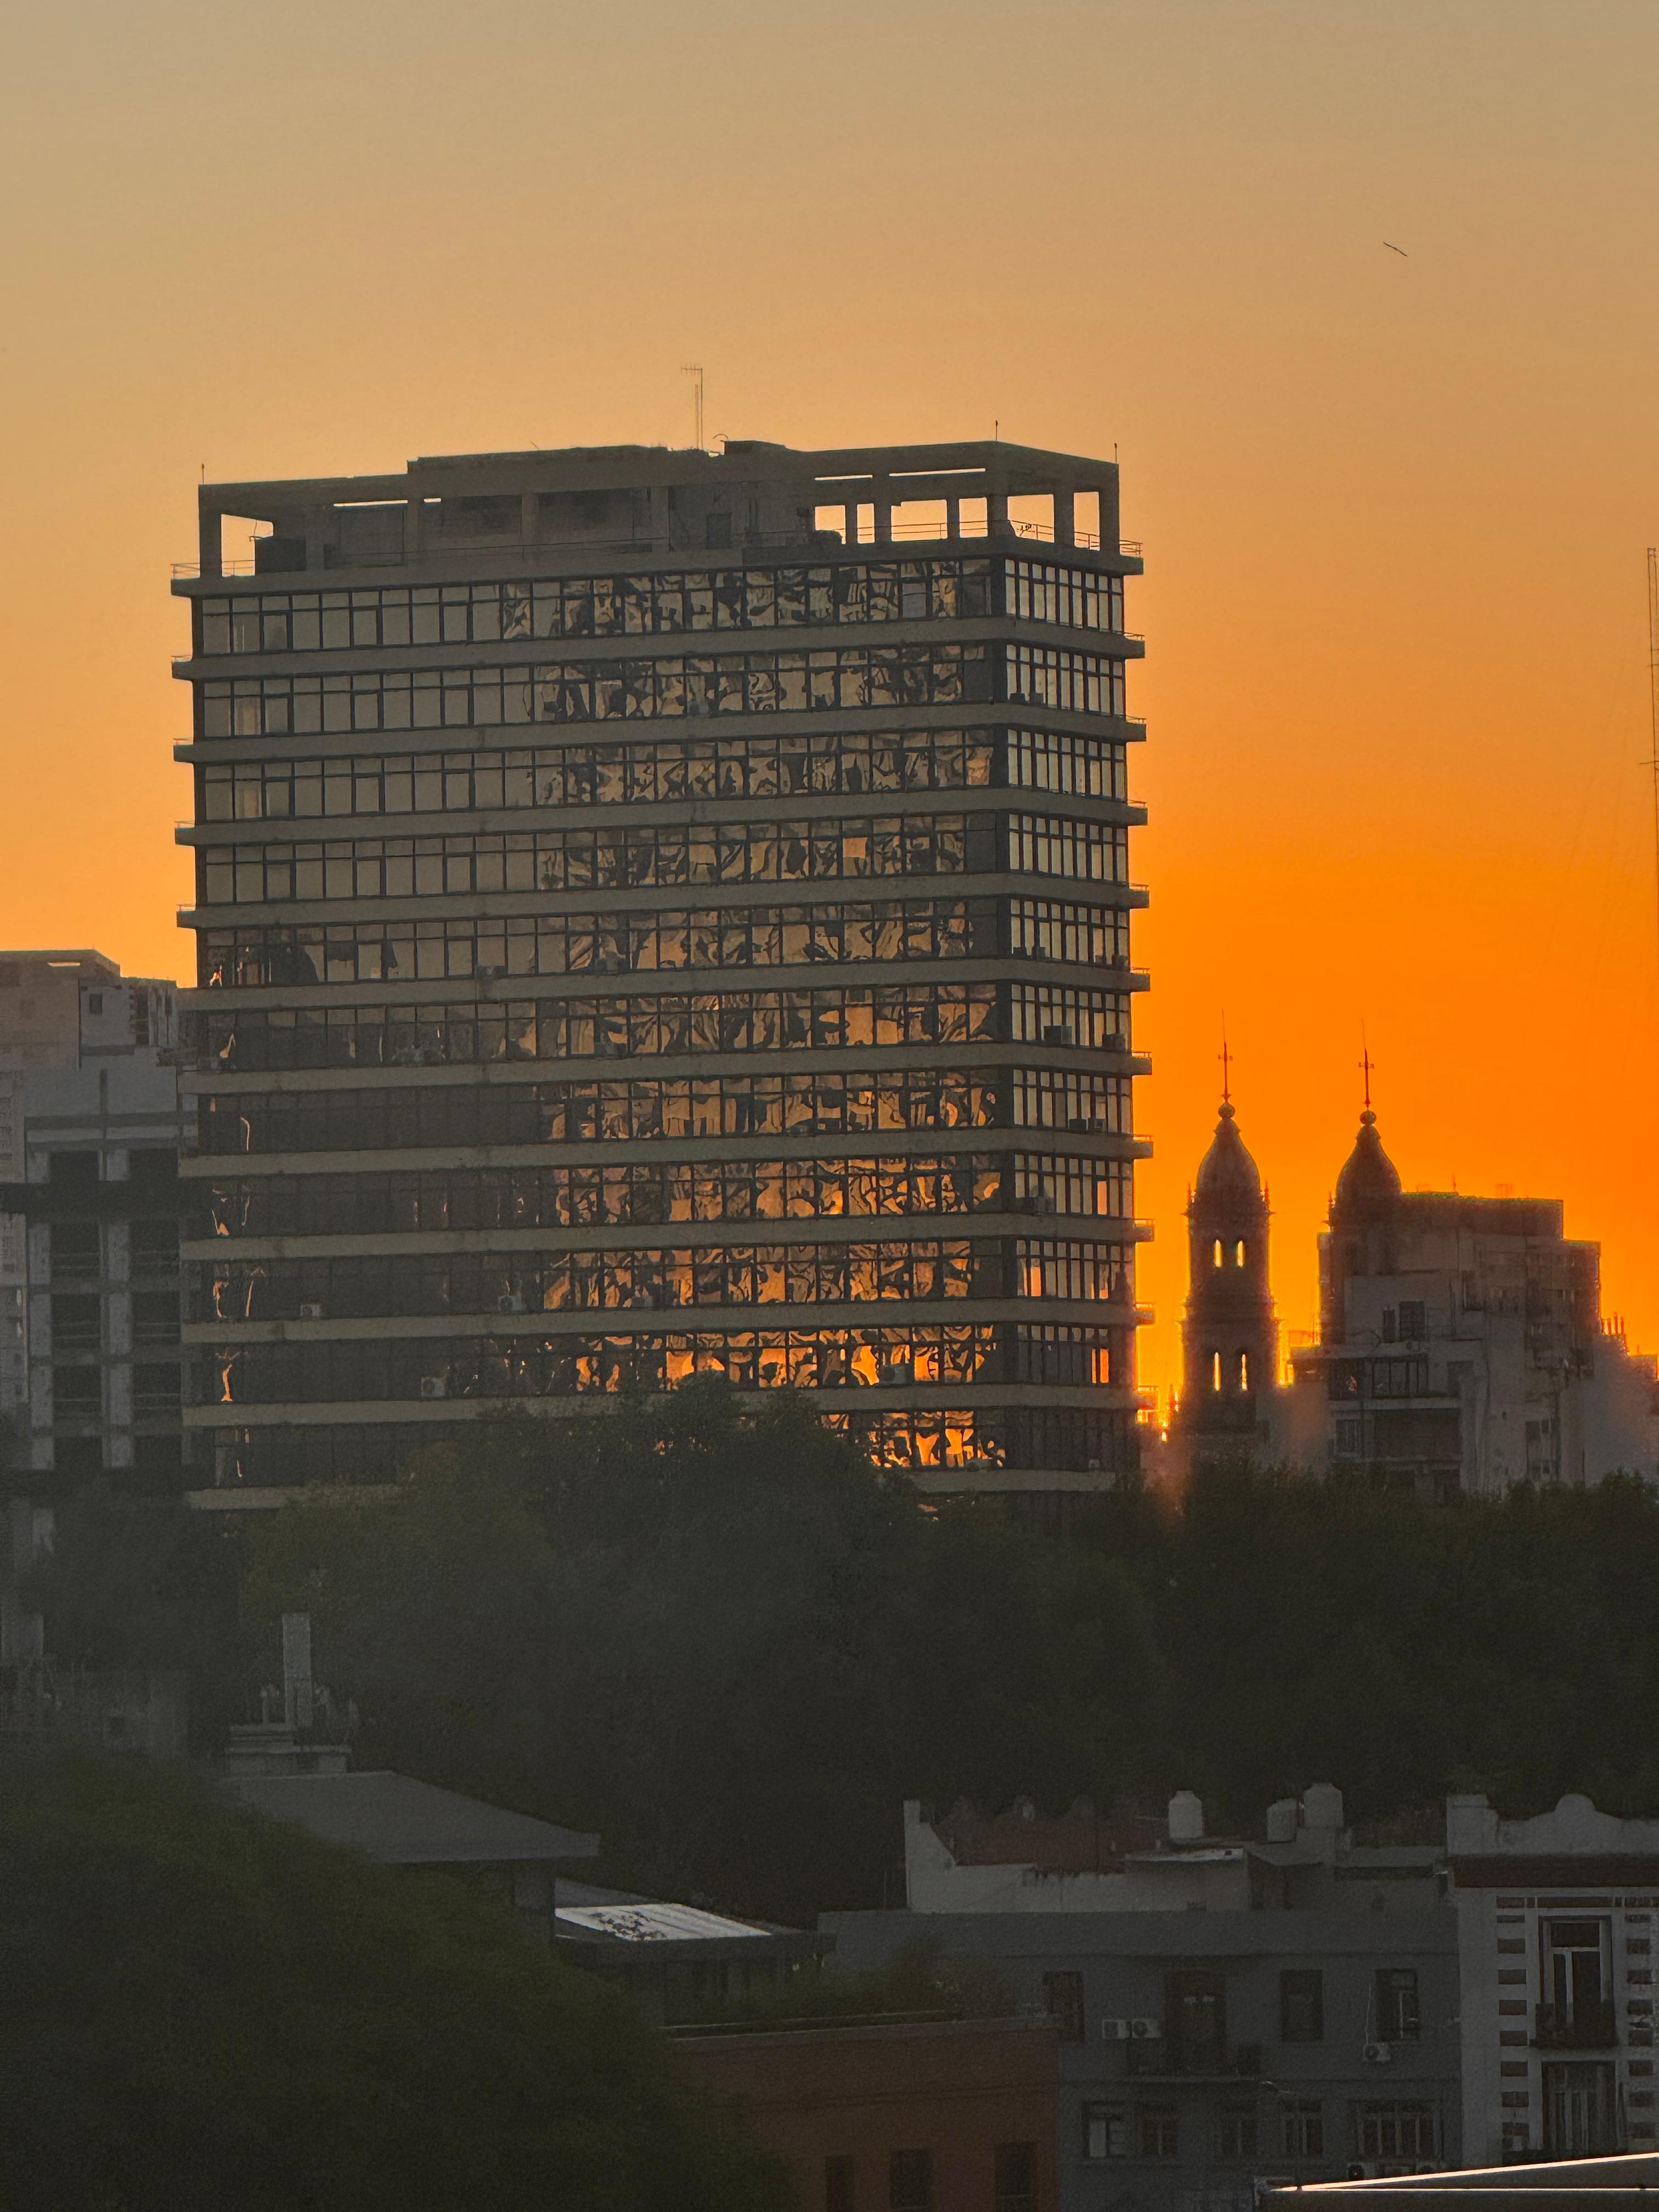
(711, 1633)
(1348, 1632)
(708, 1630)
(202, 2009)
(135, 1582)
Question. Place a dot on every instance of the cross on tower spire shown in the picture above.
(1366, 1064)
(1226, 1059)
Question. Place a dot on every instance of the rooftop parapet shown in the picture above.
(656, 500)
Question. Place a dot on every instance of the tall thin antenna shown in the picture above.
(1652, 761)
(695, 369)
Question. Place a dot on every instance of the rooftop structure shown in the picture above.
(663, 914)
(681, 1963)
(403, 1822)
(400, 1821)
(1023, 1861)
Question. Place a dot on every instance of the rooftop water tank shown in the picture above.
(1282, 1820)
(1186, 1817)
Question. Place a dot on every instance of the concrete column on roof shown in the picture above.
(1066, 518)
(881, 494)
(953, 516)
(208, 533)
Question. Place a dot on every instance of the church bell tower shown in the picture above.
(1231, 1338)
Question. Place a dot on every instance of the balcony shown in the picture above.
(1158, 2060)
(1587, 2026)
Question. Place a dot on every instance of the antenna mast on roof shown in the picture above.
(1652, 761)
(695, 369)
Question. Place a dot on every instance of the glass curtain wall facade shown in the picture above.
(663, 914)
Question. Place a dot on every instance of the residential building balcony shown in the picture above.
(1586, 2025)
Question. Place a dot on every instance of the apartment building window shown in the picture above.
(1016, 2178)
(1397, 2017)
(155, 1390)
(77, 1393)
(75, 1173)
(1581, 2111)
(1158, 2131)
(1396, 2134)
(74, 1251)
(1196, 2022)
(1577, 1980)
(1062, 1995)
(1105, 2131)
(838, 2184)
(155, 1247)
(1301, 2129)
(1413, 1321)
(1301, 2005)
(76, 1321)
(910, 2181)
(155, 1317)
(1235, 2133)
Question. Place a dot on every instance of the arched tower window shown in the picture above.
(1238, 1253)
(1243, 1370)
(1218, 1256)
(1215, 1371)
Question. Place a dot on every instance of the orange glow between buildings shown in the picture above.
(1394, 505)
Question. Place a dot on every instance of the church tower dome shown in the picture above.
(1361, 1236)
(1230, 1336)
(1370, 1181)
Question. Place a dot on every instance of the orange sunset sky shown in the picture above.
(1395, 507)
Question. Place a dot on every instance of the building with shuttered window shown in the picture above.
(665, 913)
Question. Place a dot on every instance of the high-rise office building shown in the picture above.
(663, 913)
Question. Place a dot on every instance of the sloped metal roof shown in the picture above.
(654, 1923)
(403, 1822)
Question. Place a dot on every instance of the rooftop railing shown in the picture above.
(935, 533)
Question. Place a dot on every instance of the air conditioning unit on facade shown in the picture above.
(434, 1386)
(1145, 2031)
(1115, 2031)
(311, 1311)
(1377, 2054)
(1363, 2169)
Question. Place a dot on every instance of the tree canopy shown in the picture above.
(201, 2007)
(708, 1629)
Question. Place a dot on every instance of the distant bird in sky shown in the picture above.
(1400, 250)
